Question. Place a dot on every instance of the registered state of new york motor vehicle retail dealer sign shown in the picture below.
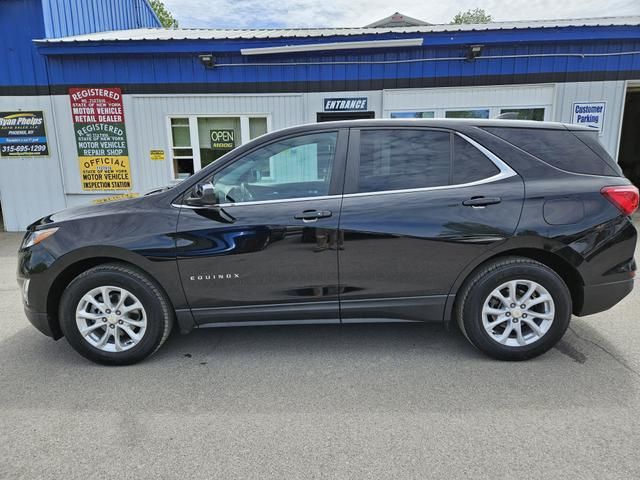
(101, 138)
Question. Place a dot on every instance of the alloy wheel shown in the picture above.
(111, 319)
(518, 313)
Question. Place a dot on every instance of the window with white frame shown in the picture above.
(533, 113)
(414, 114)
(471, 113)
(198, 140)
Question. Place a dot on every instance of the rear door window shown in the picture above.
(560, 148)
(400, 159)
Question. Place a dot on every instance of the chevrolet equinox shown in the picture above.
(503, 227)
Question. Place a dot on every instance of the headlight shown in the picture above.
(35, 237)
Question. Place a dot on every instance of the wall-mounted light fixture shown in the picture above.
(207, 60)
(474, 51)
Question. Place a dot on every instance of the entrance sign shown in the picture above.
(22, 134)
(101, 138)
(345, 104)
(590, 114)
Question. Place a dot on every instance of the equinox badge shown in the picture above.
(215, 276)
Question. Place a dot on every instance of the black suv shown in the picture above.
(505, 228)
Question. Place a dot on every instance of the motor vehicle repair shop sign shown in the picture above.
(22, 134)
(101, 138)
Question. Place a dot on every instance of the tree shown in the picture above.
(477, 15)
(165, 16)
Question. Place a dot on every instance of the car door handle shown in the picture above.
(481, 201)
(312, 215)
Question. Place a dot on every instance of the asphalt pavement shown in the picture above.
(344, 402)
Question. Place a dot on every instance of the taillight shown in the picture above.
(625, 197)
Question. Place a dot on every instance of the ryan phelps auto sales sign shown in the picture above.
(101, 138)
(22, 134)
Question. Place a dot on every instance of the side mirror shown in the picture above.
(202, 195)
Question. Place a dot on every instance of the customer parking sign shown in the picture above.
(589, 114)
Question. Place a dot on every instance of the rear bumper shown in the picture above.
(601, 297)
(42, 322)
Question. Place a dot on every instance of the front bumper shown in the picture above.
(43, 322)
(601, 297)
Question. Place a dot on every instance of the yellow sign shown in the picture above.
(116, 197)
(105, 173)
(156, 154)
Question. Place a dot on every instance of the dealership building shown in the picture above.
(97, 101)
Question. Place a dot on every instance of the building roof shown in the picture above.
(155, 34)
(397, 20)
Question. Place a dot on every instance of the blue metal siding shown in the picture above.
(20, 63)
(136, 69)
(76, 17)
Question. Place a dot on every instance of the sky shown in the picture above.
(357, 13)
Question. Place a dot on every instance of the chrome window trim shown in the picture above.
(505, 171)
(259, 202)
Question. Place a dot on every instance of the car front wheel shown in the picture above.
(114, 314)
(514, 308)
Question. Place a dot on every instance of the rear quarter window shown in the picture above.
(577, 152)
(469, 163)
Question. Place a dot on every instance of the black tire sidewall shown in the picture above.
(472, 313)
(154, 332)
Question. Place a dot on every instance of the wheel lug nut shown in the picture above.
(108, 311)
(524, 315)
(508, 314)
(112, 326)
(523, 306)
(513, 305)
(118, 312)
(120, 322)
(104, 319)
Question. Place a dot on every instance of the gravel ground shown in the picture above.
(357, 401)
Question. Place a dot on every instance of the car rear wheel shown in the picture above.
(514, 308)
(114, 314)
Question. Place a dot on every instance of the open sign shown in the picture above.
(223, 139)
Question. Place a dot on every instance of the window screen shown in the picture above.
(560, 148)
(469, 163)
(401, 159)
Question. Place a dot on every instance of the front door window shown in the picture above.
(297, 167)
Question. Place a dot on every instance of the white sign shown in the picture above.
(589, 114)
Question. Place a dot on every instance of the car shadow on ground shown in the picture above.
(326, 367)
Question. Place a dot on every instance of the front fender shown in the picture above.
(49, 275)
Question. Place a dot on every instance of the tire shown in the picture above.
(141, 319)
(489, 290)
